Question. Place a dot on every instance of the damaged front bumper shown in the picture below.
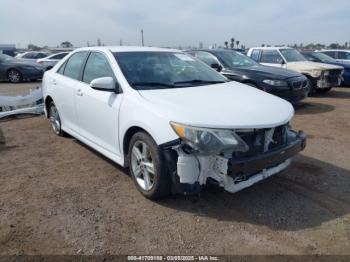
(192, 170)
(28, 104)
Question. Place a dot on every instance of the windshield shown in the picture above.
(323, 57)
(235, 59)
(292, 55)
(156, 70)
(4, 58)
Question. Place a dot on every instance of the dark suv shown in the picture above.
(284, 83)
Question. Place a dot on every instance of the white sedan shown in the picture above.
(175, 122)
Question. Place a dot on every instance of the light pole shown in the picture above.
(143, 43)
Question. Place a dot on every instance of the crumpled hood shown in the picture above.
(309, 66)
(227, 105)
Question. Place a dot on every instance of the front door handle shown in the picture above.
(79, 92)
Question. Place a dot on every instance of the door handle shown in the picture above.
(79, 92)
(54, 82)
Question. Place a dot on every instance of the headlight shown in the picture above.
(275, 82)
(316, 73)
(210, 140)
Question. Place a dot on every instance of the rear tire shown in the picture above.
(55, 119)
(14, 76)
(147, 167)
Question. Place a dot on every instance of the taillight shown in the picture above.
(39, 62)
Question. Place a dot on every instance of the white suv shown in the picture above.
(172, 119)
(322, 77)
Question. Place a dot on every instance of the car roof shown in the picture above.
(127, 49)
(334, 50)
(271, 47)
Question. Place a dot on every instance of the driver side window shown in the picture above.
(271, 57)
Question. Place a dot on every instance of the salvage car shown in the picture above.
(284, 83)
(49, 61)
(322, 77)
(174, 121)
(15, 71)
(323, 58)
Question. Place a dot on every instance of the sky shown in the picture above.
(173, 23)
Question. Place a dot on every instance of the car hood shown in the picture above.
(309, 66)
(227, 105)
(265, 71)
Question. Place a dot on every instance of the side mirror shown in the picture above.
(216, 66)
(282, 62)
(106, 84)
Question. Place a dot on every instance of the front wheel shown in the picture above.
(147, 167)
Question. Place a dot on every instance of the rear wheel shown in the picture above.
(14, 76)
(55, 119)
(147, 167)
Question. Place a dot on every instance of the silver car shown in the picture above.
(50, 61)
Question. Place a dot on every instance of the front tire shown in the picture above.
(147, 167)
(55, 119)
(14, 76)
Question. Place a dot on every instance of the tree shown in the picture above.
(232, 43)
(226, 44)
(66, 44)
(237, 44)
(33, 47)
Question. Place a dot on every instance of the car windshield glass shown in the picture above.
(235, 59)
(292, 55)
(323, 57)
(4, 58)
(158, 70)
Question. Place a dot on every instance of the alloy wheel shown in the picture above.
(55, 120)
(142, 165)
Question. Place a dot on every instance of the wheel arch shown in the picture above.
(127, 138)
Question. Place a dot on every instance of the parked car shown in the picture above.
(32, 55)
(174, 121)
(323, 58)
(322, 77)
(15, 71)
(49, 61)
(338, 54)
(284, 83)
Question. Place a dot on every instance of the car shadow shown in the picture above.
(309, 193)
(310, 108)
(338, 93)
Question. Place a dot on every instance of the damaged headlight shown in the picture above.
(210, 140)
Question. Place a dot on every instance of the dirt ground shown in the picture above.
(59, 197)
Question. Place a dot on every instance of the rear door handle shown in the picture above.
(79, 92)
(54, 82)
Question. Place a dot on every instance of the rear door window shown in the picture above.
(74, 65)
(271, 57)
(255, 55)
(343, 55)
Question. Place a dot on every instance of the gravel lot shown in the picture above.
(59, 197)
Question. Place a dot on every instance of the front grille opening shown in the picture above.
(258, 144)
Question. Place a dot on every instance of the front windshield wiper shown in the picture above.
(198, 81)
(155, 84)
